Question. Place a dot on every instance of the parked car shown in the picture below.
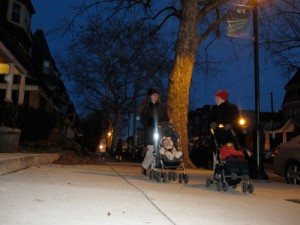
(201, 154)
(287, 160)
(268, 155)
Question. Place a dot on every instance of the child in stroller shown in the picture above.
(168, 150)
(236, 164)
(167, 156)
(231, 166)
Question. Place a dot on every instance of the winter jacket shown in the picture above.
(151, 117)
(229, 150)
(225, 113)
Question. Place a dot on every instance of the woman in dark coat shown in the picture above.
(152, 113)
(226, 113)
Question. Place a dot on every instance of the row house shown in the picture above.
(290, 113)
(15, 45)
(50, 94)
(291, 101)
(33, 96)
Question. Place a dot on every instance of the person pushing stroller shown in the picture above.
(152, 112)
(227, 114)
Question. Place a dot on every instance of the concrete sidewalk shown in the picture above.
(12, 162)
(118, 194)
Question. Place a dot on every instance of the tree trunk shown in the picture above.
(181, 75)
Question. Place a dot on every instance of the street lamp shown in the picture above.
(109, 136)
(242, 121)
(258, 172)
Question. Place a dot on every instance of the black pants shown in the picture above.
(237, 165)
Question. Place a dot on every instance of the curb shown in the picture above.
(10, 163)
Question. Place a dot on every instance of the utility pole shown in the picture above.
(272, 112)
(258, 172)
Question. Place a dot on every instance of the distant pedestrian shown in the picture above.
(102, 150)
(119, 150)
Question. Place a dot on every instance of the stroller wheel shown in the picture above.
(155, 175)
(186, 178)
(180, 178)
(244, 187)
(174, 176)
(208, 182)
(169, 175)
(219, 186)
(225, 186)
(250, 187)
(164, 176)
(158, 177)
(151, 175)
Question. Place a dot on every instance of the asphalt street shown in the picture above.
(117, 193)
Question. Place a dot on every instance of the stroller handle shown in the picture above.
(214, 125)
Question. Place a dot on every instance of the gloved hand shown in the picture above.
(228, 127)
(213, 125)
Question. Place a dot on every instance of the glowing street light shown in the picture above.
(109, 139)
(242, 121)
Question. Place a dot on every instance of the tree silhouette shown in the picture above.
(110, 65)
(196, 23)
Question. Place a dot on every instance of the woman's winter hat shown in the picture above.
(222, 94)
(152, 91)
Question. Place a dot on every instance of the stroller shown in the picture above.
(163, 165)
(221, 177)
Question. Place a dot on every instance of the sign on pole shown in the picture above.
(239, 21)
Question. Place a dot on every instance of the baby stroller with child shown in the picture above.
(167, 158)
(231, 165)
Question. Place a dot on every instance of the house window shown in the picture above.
(46, 64)
(27, 21)
(19, 14)
(16, 12)
(46, 67)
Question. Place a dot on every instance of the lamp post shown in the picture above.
(128, 134)
(258, 171)
(109, 137)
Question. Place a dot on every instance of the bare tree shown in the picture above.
(280, 32)
(111, 64)
(190, 14)
(196, 22)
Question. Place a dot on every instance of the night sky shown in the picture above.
(237, 79)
